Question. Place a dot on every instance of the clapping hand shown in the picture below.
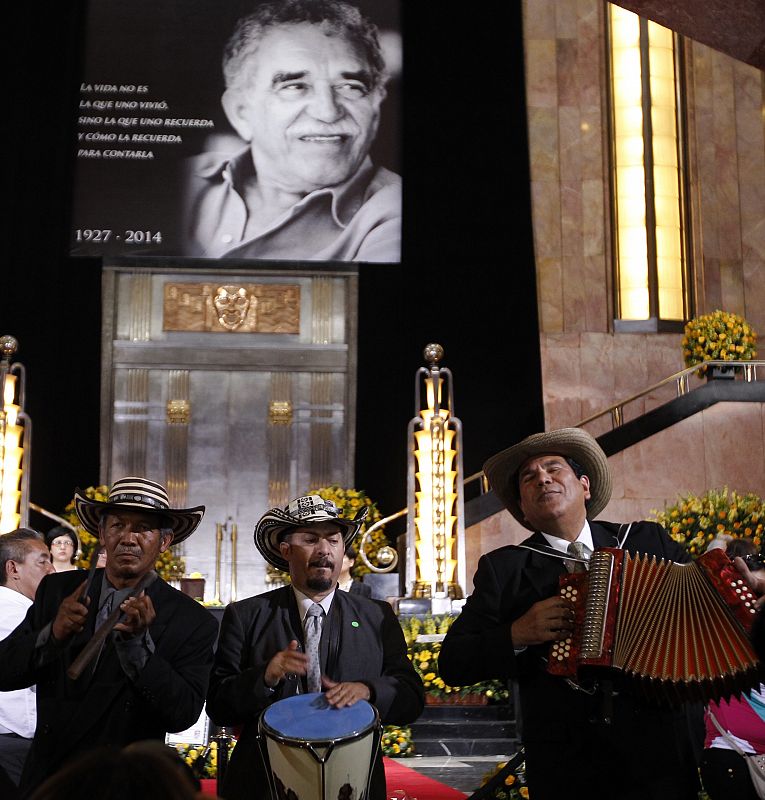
(71, 615)
(286, 662)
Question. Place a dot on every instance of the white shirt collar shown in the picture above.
(585, 537)
(304, 602)
(12, 596)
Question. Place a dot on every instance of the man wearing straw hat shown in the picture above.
(555, 484)
(150, 674)
(264, 645)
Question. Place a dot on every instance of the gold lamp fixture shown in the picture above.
(435, 530)
(15, 441)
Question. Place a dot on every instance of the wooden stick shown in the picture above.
(93, 647)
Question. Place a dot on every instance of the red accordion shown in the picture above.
(677, 631)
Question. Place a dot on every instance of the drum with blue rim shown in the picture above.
(316, 752)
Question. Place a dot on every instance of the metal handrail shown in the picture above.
(681, 378)
(55, 517)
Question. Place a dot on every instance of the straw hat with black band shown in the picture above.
(502, 469)
(300, 513)
(138, 494)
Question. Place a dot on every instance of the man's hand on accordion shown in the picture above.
(546, 621)
(755, 580)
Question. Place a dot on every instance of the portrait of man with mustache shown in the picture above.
(304, 84)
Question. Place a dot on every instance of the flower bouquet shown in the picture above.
(424, 658)
(718, 336)
(696, 519)
(514, 785)
(397, 742)
(203, 759)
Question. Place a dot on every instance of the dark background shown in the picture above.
(466, 279)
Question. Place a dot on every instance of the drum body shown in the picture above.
(315, 752)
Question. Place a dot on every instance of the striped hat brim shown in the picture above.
(276, 522)
(138, 494)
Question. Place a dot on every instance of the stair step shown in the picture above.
(458, 712)
(465, 747)
(468, 729)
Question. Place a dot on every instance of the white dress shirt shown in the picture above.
(585, 537)
(18, 709)
(304, 603)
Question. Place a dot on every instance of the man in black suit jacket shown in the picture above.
(555, 484)
(261, 655)
(151, 674)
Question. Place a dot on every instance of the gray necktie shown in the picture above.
(313, 621)
(576, 549)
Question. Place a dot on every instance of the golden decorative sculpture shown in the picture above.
(178, 412)
(232, 303)
(280, 412)
(230, 308)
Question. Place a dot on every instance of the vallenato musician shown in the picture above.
(555, 484)
(150, 675)
(261, 656)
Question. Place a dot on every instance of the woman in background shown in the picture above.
(64, 548)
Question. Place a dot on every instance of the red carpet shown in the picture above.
(399, 778)
(416, 785)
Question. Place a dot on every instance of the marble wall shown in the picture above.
(586, 366)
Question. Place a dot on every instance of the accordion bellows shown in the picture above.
(675, 632)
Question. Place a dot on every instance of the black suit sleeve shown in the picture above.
(174, 679)
(237, 686)
(478, 645)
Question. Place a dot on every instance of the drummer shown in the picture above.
(266, 642)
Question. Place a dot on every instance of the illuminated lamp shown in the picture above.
(15, 441)
(435, 567)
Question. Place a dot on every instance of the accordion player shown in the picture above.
(675, 632)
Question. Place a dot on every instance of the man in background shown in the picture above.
(305, 80)
(345, 579)
(24, 561)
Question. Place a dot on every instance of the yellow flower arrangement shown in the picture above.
(169, 566)
(513, 787)
(397, 742)
(718, 336)
(202, 759)
(424, 658)
(696, 519)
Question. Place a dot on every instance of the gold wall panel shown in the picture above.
(231, 308)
